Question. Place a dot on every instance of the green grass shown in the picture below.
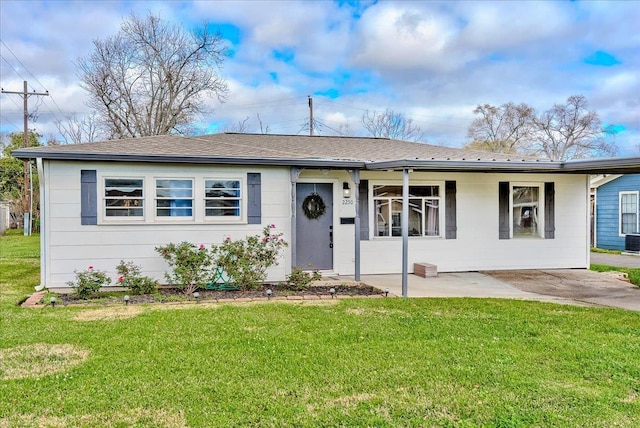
(634, 274)
(604, 251)
(357, 362)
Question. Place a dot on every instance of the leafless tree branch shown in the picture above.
(390, 124)
(152, 76)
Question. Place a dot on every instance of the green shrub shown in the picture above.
(131, 278)
(246, 260)
(89, 281)
(300, 280)
(191, 265)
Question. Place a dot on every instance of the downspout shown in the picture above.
(294, 174)
(355, 175)
(405, 232)
(589, 220)
(44, 226)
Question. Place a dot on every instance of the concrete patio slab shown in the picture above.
(458, 284)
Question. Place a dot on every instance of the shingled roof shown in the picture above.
(291, 150)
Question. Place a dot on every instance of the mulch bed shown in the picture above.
(171, 294)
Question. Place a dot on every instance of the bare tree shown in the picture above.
(152, 76)
(264, 129)
(240, 127)
(504, 129)
(570, 131)
(243, 126)
(76, 130)
(391, 125)
(346, 130)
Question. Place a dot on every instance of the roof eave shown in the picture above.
(98, 157)
(467, 165)
(624, 165)
(628, 165)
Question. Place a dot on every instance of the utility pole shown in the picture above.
(310, 115)
(27, 196)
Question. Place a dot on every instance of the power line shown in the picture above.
(10, 122)
(23, 66)
(11, 65)
(27, 201)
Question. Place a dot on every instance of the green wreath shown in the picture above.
(313, 206)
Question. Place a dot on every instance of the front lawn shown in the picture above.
(633, 273)
(356, 362)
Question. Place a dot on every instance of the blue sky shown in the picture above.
(432, 61)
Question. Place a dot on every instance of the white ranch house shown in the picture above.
(373, 205)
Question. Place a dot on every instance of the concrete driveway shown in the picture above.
(570, 286)
(631, 261)
(579, 285)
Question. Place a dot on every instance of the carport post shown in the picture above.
(356, 184)
(405, 232)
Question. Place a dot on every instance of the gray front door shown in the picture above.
(314, 236)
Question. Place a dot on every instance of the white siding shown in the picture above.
(477, 246)
(72, 246)
(69, 246)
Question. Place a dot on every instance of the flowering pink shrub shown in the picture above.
(89, 281)
(246, 261)
(191, 265)
(131, 278)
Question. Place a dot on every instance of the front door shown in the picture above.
(314, 226)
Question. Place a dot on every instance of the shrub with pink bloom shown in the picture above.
(191, 265)
(131, 278)
(246, 261)
(89, 281)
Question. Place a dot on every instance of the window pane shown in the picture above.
(432, 217)
(525, 211)
(628, 213)
(415, 217)
(387, 191)
(381, 226)
(123, 197)
(174, 198)
(124, 212)
(222, 189)
(222, 198)
(424, 191)
(175, 212)
(396, 217)
(217, 208)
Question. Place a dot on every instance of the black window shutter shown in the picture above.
(254, 198)
(364, 209)
(503, 210)
(450, 225)
(549, 211)
(88, 197)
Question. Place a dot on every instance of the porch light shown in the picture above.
(332, 291)
(126, 299)
(346, 190)
(386, 292)
(269, 293)
(196, 296)
(53, 301)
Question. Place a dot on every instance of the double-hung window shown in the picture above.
(222, 198)
(174, 198)
(628, 212)
(424, 210)
(124, 197)
(525, 209)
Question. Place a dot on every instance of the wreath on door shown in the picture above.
(313, 206)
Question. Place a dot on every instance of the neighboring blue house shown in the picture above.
(616, 209)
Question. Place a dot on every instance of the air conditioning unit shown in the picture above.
(632, 243)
